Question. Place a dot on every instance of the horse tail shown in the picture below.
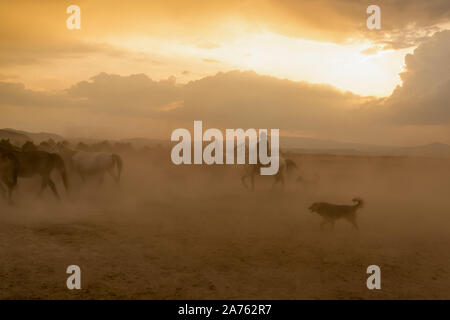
(117, 160)
(61, 167)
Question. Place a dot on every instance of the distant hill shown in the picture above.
(292, 144)
(317, 144)
(145, 142)
(346, 152)
(436, 150)
(13, 136)
(36, 137)
(440, 150)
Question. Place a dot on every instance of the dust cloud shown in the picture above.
(194, 232)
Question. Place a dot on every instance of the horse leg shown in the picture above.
(44, 183)
(322, 224)
(4, 192)
(101, 179)
(10, 189)
(277, 179)
(243, 181)
(81, 175)
(113, 175)
(7, 193)
(53, 187)
(2, 189)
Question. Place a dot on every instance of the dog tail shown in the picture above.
(359, 203)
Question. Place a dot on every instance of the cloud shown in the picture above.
(16, 94)
(403, 23)
(133, 95)
(39, 28)
(8, 76)
(425, 94)
(231, 99)
(246, 99)
(210, 60)
(16, 54)
(416, 110)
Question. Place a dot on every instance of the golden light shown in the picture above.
(344, 66)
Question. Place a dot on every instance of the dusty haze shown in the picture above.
(190, 232)
(363, 112)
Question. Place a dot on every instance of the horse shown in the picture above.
(88, 163)
(36, 162)
(9, 170)
(97, 163)
(252, 170)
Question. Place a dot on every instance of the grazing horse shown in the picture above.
(97, 163)
(37, 162)
(252, 170)
(9, 170)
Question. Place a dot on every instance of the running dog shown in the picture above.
(332, 212)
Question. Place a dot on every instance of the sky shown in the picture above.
(310, 68)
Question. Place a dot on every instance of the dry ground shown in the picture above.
(195, 233)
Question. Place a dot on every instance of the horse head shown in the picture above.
(6, 144)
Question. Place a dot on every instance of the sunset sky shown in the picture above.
(310, 68)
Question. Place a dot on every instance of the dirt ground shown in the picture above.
(194, 232)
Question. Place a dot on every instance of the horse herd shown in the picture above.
(30, 160)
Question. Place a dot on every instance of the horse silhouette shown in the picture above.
(252, 170)
(9, 170)
(37, 162)
(97, 163)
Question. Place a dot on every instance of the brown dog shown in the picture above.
(332, 212)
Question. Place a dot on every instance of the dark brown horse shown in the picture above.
(9, 171)
(37, 162)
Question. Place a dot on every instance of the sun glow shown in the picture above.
(344, 66)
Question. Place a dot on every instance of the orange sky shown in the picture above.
(316, 42)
